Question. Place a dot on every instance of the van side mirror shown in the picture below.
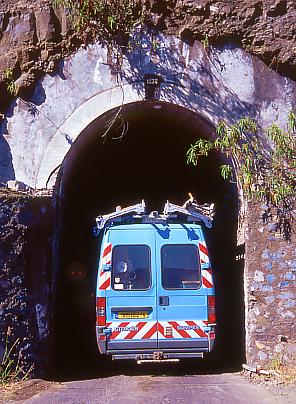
(106, 267)
(96, 231)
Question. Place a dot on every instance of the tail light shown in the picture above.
(212, 334)
(101, 311)
(211, 310)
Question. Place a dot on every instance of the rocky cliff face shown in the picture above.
(264, 28)
(25, 230)
(34, 35)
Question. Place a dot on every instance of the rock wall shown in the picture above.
(270, 290)
(25, 279)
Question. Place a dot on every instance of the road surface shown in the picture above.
(224, 388)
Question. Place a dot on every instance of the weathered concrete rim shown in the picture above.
(86, 113)
(77, 122)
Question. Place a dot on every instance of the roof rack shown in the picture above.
(138, 209)
(190, 209)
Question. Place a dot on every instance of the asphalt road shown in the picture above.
(125, 389)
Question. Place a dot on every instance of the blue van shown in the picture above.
(155, 295)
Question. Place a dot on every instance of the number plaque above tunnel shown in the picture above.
(152, 84)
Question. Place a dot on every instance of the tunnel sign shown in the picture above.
(152, 86)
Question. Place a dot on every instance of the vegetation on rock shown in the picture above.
(111, 20)
(263, 166)
(11, 369)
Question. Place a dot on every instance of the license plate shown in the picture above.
(132, 314)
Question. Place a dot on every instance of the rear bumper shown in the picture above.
(151, 349)
(200, 344)
(156, 355)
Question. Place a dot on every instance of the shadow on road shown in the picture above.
(102, 367)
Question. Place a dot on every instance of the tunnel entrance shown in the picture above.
(142, 155)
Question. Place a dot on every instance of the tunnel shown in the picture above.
(135, 152)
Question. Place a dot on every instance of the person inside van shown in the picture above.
(124, 272)
(131, 268)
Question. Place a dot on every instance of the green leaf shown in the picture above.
(221, 129)
(292, 121)
(111, 22)
(266, 171)
(226, 171)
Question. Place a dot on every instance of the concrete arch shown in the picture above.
(76, 123)
(206, 91)
(96, 106)
(181, 96)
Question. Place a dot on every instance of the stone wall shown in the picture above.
(270, 290)
(25, 278)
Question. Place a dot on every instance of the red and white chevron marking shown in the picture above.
(181, 329)
(207, 278)
(206, 274)
(105, 277)
(133, 330)
(203, 253)
(151, 329)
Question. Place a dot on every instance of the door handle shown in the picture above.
(163, 300)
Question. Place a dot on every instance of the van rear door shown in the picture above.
(131, 299)
(181, 297)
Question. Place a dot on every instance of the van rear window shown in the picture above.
(131, 268)
(180, 267)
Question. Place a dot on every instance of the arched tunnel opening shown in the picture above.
(139, 156)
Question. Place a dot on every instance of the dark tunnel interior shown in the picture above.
(139, 156)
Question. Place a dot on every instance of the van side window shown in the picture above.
(131, 268)
(180, 267)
